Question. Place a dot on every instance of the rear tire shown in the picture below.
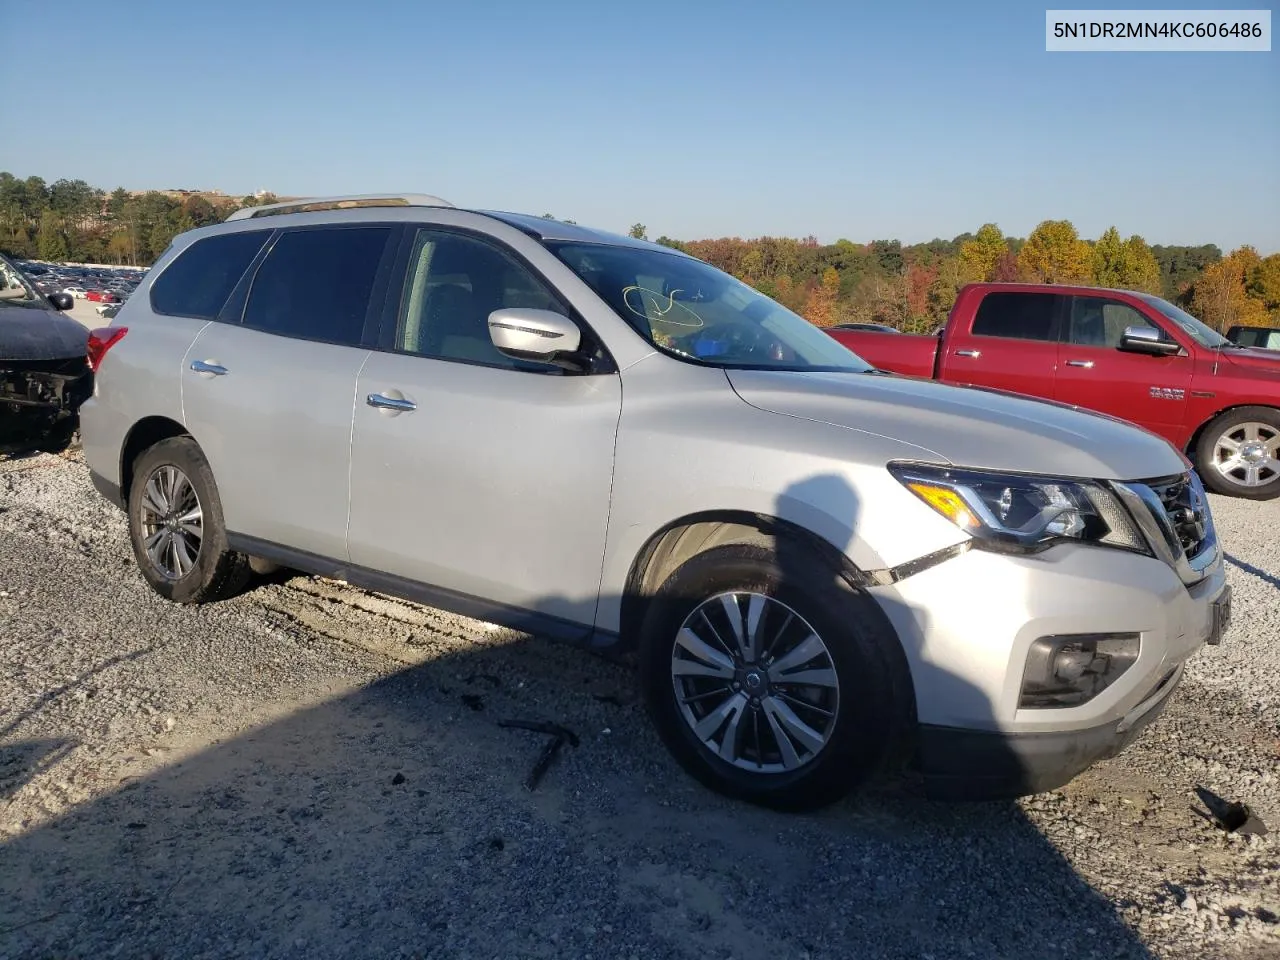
(855, 711)
(176, 526)
(1238, 453)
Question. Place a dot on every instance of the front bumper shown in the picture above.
(967, 624)
(959, 764)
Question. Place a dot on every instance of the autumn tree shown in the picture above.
(980, 255)
(1221, 297)
(1054, 253)
(1125, 264)
(1006, 268)
(919, 281)
(820, 307)
(1264, 282)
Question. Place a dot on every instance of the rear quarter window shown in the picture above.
(201, 278)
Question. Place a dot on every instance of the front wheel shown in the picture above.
(769, 678)
(1239, 453)
(176, 528)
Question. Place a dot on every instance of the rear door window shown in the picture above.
(201, 278)
(1018, 316)
(317, 284)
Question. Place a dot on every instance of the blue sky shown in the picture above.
(696, 118)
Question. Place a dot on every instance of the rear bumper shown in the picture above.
(110, 491)
(959, 764)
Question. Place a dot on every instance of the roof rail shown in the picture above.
(313, 204)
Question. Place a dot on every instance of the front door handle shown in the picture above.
(383, 402)
(209, 368)
(1087, 364)
(968, 353)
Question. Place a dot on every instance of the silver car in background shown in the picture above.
(823, 569)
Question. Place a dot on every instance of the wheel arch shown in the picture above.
(1198, 432)
(144, 434)
(677, 541)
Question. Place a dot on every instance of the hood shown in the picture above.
(986, 429)
(36, 333)
(1263, 363)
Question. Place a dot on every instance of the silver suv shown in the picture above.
(822, 568)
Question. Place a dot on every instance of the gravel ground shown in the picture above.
(312, 770)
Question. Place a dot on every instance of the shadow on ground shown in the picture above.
(395, 819)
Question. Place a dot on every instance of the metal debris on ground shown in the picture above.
(1229, 815)
(560, 735)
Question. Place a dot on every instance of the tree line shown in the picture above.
(913, 287)
(908, 286)
(71, 221)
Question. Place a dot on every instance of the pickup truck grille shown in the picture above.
(1187, 509)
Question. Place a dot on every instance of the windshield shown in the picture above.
(695, 312)
(1197, 331)
(15, 291)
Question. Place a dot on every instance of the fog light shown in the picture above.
(1067, 671)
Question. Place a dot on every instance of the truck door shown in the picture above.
(1011, 343)
(1095, 373)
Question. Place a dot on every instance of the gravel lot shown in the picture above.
(312, 770)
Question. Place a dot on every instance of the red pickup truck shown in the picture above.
(1127, 354)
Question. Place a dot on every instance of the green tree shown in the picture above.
(1054, 253)
(639, 231)
(51, 242)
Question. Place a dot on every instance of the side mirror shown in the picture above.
(539, 335)
(62, 301)
(1147, 340)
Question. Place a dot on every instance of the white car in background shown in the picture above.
(76, 291)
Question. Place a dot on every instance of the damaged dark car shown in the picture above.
(44, 370)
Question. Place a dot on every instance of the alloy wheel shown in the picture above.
(1248, 454)
(172, 522)
(755, 682)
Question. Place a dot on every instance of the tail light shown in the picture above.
(100, 341)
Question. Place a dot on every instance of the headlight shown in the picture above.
(1021, 513)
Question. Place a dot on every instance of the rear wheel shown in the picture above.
(176, 528)
(1239, 453)
(771, 685)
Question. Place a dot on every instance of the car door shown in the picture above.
(1093, 372)
(269, 399)
(485, 477)
(1011, 344)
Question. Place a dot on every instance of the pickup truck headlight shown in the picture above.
(1021, 513)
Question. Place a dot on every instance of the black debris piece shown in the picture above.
(1229, 815)
(560, 736)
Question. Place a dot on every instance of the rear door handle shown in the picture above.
(383, 402)
(212, 369)
(968, 353)
(1087, 364)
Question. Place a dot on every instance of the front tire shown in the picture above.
(1239, 453)
(769, 678)
(176, 526)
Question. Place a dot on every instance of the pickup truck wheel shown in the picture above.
(176, 529)
(1239, 453)
(768, 678)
